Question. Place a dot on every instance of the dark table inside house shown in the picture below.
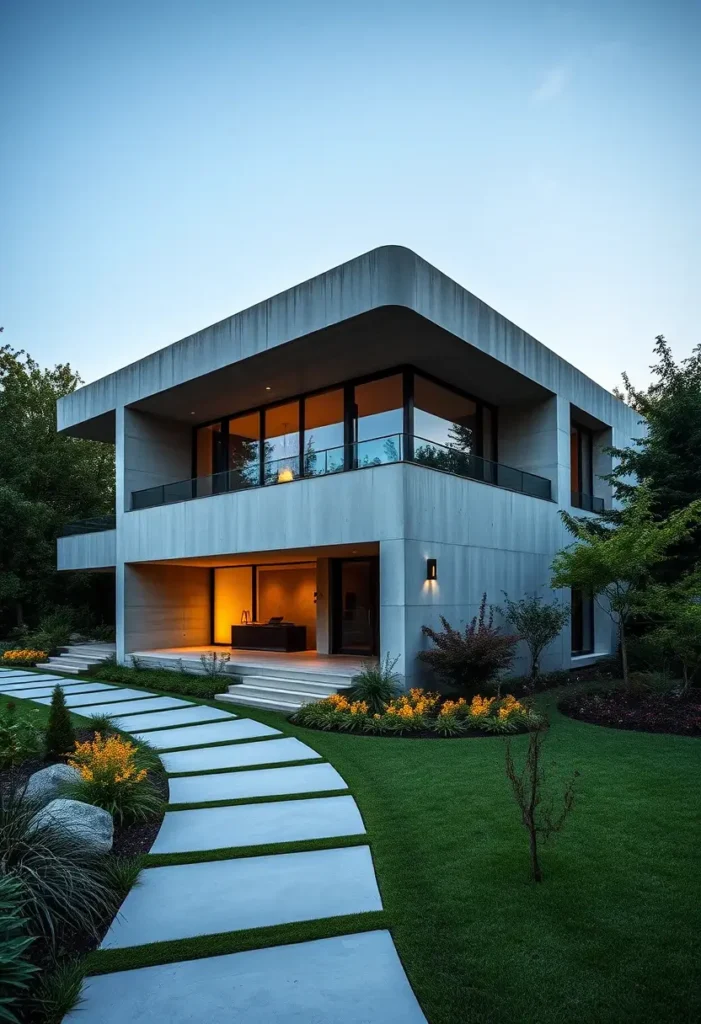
(269, 636)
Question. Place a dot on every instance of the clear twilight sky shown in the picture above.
(166, 163)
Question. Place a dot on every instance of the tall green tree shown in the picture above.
(46, 480)
(616, 563)
(667, 455)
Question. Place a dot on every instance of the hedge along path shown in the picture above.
(291, 934)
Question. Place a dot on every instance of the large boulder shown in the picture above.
(45, 785)
(89, 827)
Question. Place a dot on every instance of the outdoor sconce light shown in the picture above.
(431, 569)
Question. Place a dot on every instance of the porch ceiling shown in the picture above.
(274, 557)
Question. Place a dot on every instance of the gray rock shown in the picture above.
(45, 785)
(90, 827)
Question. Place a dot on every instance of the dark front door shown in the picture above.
(355, 606)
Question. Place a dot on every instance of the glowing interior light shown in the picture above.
(285, 475)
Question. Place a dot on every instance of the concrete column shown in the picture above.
(531, 438)
(393, 605)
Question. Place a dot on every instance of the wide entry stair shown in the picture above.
(78, 658)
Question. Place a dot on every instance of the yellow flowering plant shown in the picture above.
(418, 711)
(24, 657)
(112, 776)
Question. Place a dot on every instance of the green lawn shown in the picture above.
(610, 934)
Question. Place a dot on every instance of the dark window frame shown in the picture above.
(584, 435)
(577, 622)
(408, 372)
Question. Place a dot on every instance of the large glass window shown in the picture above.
(323, 433)
(378, 421)
(446, 428)
(244, 451)
(282, 443)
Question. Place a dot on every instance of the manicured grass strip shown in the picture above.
(274, 799)
(105, 961)
(243, 767)
(159, 860)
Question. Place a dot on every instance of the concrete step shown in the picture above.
(269, 703)
(338, 680)
(294, 682)
(78, 659)
(298, 696)
(59, 665)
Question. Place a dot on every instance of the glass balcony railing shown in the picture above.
(364, 454)
(588, 502)
(95, 525)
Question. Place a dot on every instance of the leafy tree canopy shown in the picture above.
(668, 459)
(46, 480)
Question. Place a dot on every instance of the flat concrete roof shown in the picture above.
(288, 343)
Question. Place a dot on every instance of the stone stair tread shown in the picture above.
(262, 702)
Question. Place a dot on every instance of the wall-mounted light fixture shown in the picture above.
(431, 569)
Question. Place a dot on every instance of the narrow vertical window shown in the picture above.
(582, 623)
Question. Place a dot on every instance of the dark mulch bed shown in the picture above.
(646, 712)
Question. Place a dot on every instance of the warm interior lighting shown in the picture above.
(431, 569)
(285, 475)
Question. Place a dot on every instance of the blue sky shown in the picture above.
(165, 164)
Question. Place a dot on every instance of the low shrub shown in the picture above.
(61, 886)
(16, 971)
(59, 731)
(376, 685)
(184, 683)
(420, 712)
(113, 778)
(101, 722)
(469, 659)
(26, 657)
(21, 735)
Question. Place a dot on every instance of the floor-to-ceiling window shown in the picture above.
(324, 433)
(282, 443)
(378, 421)
(393, 416)
(581, 465)
(244, 450)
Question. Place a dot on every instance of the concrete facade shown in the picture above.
(485, 538)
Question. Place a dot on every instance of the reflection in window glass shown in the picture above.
(244, 450)
(282, 443)
(323, 433)
(379, 421)
(446, 429)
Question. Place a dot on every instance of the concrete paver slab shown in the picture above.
(239, 755)
(199, 735)
(127, 708)
(351, 979)
(303, 778)
(182, 716)
(280, 821)
(74, 700)
(185, 900)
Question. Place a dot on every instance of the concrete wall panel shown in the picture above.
(87, 550)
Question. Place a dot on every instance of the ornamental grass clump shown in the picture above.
(375, 685)
(113, 777)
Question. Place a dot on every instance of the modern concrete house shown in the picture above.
(310, 481)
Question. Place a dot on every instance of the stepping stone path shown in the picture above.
(215, 755)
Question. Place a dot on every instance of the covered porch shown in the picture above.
(255, 663)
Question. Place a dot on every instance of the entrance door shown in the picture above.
(355, 606)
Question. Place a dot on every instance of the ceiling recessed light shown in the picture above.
(192, 413)
(267, 387)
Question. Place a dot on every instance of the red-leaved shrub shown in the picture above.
(469, 659)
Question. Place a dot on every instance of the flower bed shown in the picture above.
(420, 713)
(644, 712)
(25, 658)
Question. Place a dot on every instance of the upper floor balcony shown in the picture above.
(255, 472)
(88, 544)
